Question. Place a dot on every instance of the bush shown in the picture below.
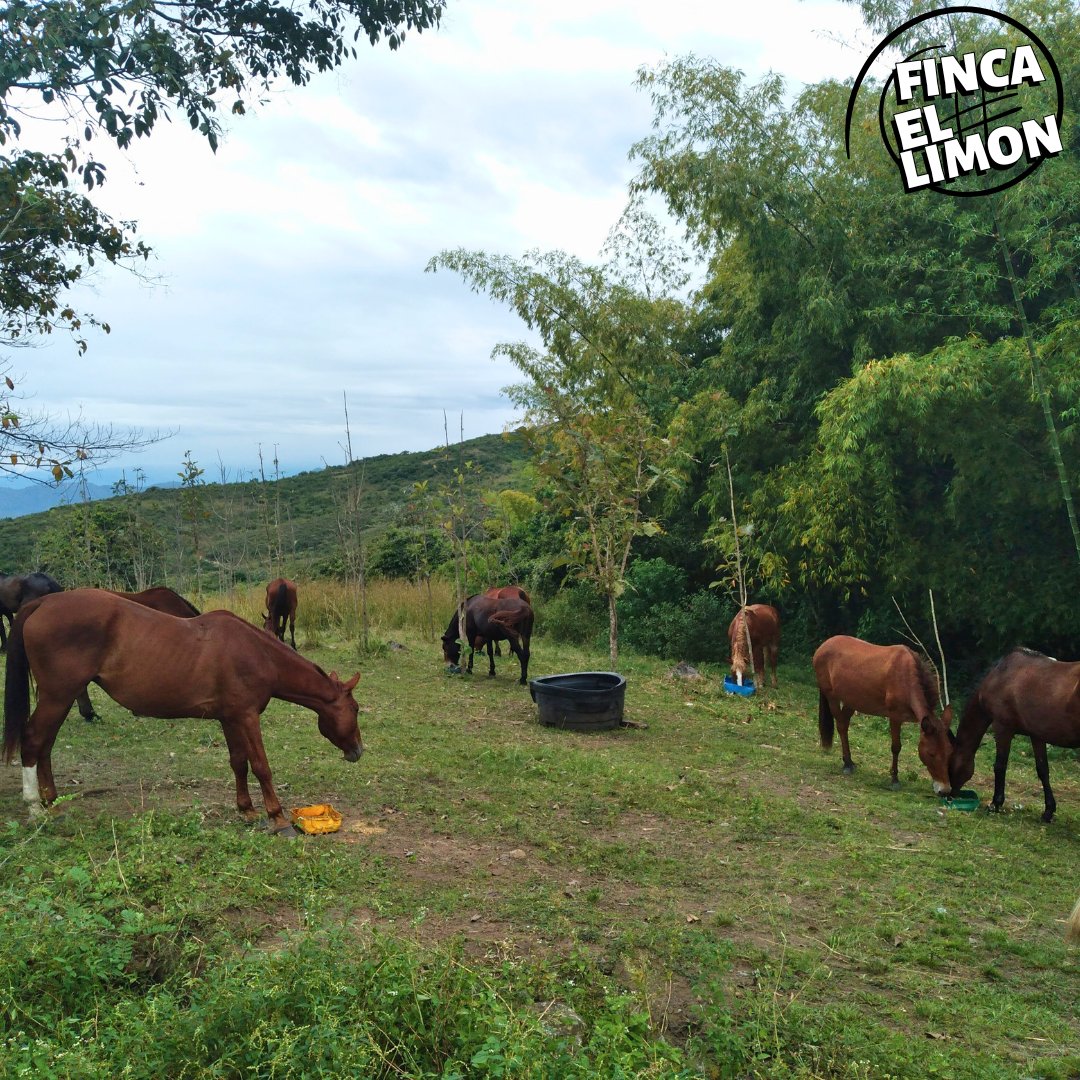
(575, 616)
(656, 616)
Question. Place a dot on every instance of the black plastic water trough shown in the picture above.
(580, 700)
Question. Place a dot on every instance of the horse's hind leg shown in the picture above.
(491, 659)
(843, 718)
(39, 787)
(521, 649)
(292, 632)
(1001, 763)
(1042, 767)
(773, 655)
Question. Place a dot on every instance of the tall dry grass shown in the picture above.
(333, 608)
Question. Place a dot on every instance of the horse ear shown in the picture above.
(928, 725)
(946, 717)
(352, 682)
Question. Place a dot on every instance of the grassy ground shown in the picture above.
(703, 895)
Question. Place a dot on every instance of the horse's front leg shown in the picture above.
(759, 668)
(86, 706)
(1042, 767)
(238, 759)
(491, 658)
(292, 632)
(249, 736)
(1001, 763)
(894, 730)
(773, 656)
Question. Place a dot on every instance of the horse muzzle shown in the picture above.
(354, 753)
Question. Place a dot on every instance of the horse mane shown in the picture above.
(738, 639)
(928, 677)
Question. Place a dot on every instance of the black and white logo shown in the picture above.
(968, 122)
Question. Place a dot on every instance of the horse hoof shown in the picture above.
(895, 785)
(848, 769)
(289, 831)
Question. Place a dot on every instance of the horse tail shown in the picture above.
(506, 620)
(16, 688)
(1072, 930)
(824, 721)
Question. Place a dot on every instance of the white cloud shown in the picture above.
(292, 260)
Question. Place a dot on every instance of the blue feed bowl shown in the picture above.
(732, 687)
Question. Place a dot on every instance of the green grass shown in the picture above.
(707, 895)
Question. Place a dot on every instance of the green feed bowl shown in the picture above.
(965, 799)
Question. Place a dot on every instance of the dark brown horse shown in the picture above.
(892, 681)
(1024, 693)
(488, 620)
(158, 597)
(281, 608)
(762, 622)
(19, 589)
(213, 666)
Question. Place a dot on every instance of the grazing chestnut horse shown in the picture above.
(488, 620)
(19, 589)
(1024, 693)
(158, 597)
(892, 681)
(211, 666)
(281, 608)
(763, 623)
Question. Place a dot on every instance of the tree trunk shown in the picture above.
(613, 631)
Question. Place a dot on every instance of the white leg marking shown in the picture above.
(31, 792)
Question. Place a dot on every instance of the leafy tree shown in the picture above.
(113, 69)
(593, 398)
(865, 352)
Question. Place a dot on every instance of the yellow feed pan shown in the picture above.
(316, 819)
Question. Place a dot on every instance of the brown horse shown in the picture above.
(763, 624)
(1024, 693)
(892, 681)
(281, 608)
(162, 598)
(212, 666)
(19, 589)
(158, 597)
(507, 592)
(488, 620)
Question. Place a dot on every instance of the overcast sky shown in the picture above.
(290, 264)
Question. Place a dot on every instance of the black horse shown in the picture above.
(19, 589)
(487, 620)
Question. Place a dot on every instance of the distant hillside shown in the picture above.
(33, 498)
(241, 525)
